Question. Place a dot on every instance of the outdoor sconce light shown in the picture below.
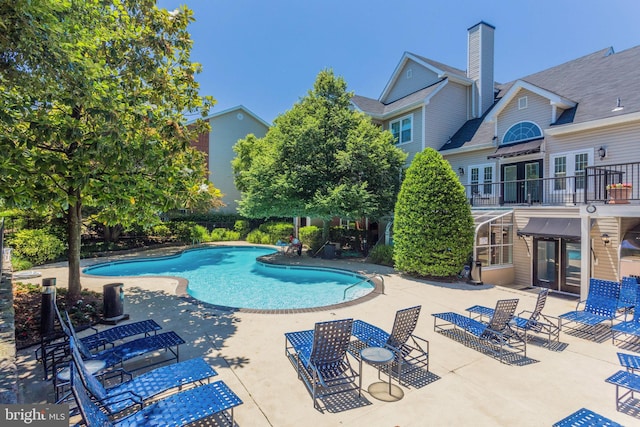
(461, 171)
(605, 239)
(602, 152)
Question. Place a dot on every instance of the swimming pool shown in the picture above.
(231, 276)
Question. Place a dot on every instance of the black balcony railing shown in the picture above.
(606, 183)
(596, 184)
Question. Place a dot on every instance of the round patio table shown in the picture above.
(380, 357)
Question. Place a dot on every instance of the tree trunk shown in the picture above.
(74, 224)
(325, 230)
(112, 233)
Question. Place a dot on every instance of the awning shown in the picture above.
(517, 149)
(566, 228)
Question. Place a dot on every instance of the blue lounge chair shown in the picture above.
(179, 409)
(586, 418)
(628, 294)
(627, 384)
(495, 337)
(320, 358)
(143, 387)
(411, 352)
(52, 352)
(111, 335)
(601, 306)
(117, 355)
(631, 328)
(536, 321)
(629, 361)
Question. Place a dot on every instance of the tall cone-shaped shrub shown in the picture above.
(433, 226)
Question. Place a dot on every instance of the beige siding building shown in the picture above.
(542, 158)
(227, 127)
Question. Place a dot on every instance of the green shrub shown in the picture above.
(382, 254)
(36, 246)
(277, 230)
(224, 234)
(311, 236)
(189, 232)
(257, 236)
(242, 226)
(19, 264)
(433, 226)
(200, 234)
(161, 230)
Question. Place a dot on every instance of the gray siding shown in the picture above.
(464, 160)
(605, 261)
(538, 111)
(622, 143)
(480, 65)
(473, 60)
(445, 114)
(421, 77)
(415, 145)
(226, 130)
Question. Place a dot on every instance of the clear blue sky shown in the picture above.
(266, 54)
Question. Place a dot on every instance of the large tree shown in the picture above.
(320, 159)
(93, 97)
(432, 226)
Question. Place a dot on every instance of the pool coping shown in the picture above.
(272, 259)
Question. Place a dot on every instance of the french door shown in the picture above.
(556, 264)
(521, 182)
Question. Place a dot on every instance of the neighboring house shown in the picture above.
(538, 157)
(227, 127)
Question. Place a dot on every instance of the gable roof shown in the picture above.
(587, 87)
(379, 110)
(232, 109)
(515, 88)
(443, 67)
(475, 133)
(594, 82)
(441, 70)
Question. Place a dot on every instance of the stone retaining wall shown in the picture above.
(8, 369)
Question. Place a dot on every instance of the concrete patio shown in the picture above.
(465, 387)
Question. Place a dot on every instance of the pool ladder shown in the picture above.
(372, 278)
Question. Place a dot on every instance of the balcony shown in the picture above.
(597, 185)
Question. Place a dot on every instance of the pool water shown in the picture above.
(230, 276)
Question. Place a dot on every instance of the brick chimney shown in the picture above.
(480, 65)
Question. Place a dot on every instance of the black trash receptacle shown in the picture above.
(47, 311)
(329, 251)
(113, 303)
(476, 273)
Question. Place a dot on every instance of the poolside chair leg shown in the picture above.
(360, 378)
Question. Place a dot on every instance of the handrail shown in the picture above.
(344, 294)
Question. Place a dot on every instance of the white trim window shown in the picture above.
(520, 132)
(564, 166)
(523, 103)
(481, 179)
(402, 130)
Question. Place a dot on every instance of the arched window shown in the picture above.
(523, 131)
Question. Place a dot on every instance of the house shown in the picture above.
(227, 127)
(540, 157)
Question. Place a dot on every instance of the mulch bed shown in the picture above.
(27, 302)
